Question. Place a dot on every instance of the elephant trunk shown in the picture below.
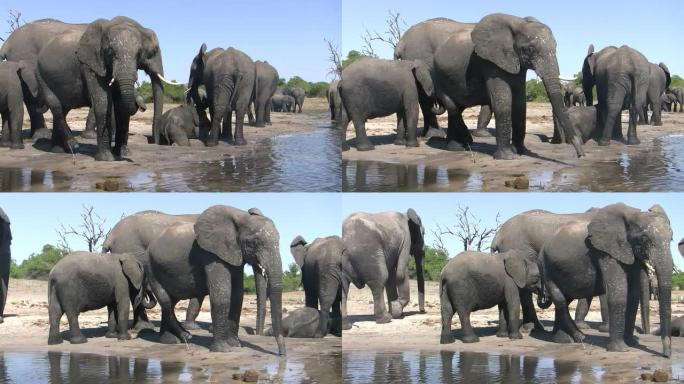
(662, 262)
(261, 293)
(421, 281)
(158, 99)
(127, 91)
(275, 294)
(645, 299)
(149, 301)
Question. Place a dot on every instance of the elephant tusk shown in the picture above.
(111, 81)
(166, 81)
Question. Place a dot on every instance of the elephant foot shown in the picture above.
(167, 337)
(582, 324)
(561, 337)
(481, 132)
(55, 339)
(240, 141)
(515, 336)
(124, 151)
(446, 338)
(455, 146)
(57, 149)
(472, 338)
(433, 132)
(412, 143)
(111, 334)
(234, 341)
(142, 324)
(399, 141)
(504, 154)
(603, 142)
(658, 124)
(89, 134)
(42, 133)
(603, 328)
(633, 141)
(78, 339)
(190, 325)
(617, 346)
(260, 125)
(364, 146)
(124, 336)
(4, 144)
(220, 346)
(578, 337)
(502, 333)
(631, 341)
(384, 319)
(17, 146)
(346, 325)
(211, 143)
(520, 149)
(396, 309)
(104, 155)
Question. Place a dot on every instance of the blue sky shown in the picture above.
(35, 216)
(289, 34)
(650, 27)
(441, 208)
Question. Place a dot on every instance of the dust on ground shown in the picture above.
(26, 329)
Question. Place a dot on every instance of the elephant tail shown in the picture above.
(444, 299)
(53, 300)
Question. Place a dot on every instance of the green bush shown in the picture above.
(535, 90)
(291, 280)
(433, 263)
(172, 93)
(297, 81)
(677, 81)
(317, 89)
(38, 265)
(678, 280)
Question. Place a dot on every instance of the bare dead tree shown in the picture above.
(334, 56)
(396, 26)
(91, 229)
(14, 21)
(468, 229)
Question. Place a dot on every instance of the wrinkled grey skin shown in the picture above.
(334, 101)
(471, 281)
(678, 92)
(84, 281)
(320, 263)
(14, 76)
(266, 82)
(299, 95)
(666, 101)
(75, 69)
(25, 44)
(300, 323)
(90, 131)
(486, 64)
(179, 125)
(584, 120)
(377, 247)
(282, 103)
(229, 77)
(659, 80)
(207, 258)
(607, 256)
(621, 76)
(5, 258)
(373, 88)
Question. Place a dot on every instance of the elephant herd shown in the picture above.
(441, 65)
(49, 64)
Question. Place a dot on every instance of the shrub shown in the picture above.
(172, 93)
(677, 81)
(291, 280)
(38, 265)
(433, 263)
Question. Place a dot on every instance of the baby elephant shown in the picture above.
(83, 281)
(304, 323)
(12, 76)
(179, 125)
(373, 88)
(474, 280)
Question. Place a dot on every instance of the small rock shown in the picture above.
(111, 185)
(99, 185)
(237, 376)
(508, 183)
(521, 182)
(647, 376)
(250, 376)
(660, 376)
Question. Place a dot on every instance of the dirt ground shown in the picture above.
(154, 161)
(421, 332)
(545, 165)
(26, 329)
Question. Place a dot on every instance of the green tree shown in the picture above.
(172, 93)
(352, 56)
(578, 79)
(282, 82)
(677, 81)
(535, 90)
(291, 278)
(296, 81)
(38, 265)
(435, 260)
(317, 89)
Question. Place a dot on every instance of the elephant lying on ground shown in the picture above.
(5, 260)
(677, 328)
(179, 125)
(373, 88)
(13, 78)
(304, 323)
(84, 281)
(471, 281)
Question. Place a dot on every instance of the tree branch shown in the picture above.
(334, 57)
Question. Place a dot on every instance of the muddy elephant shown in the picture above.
(471, 281)
(5, 260)
(659, 80)
(607, 257)
(485, 64)
(266, 81)
(14, 77)
(363, 99)
(320, 263)
(299, 94)
(229, 77)
(84, 281)
(377, 247)
(207, 257)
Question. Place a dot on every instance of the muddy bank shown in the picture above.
(271, 160)
(24, 338)
(651, 166)
(415, 339)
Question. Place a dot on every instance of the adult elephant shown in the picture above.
(332, 94)
(228, 76)
(320, 263)
(5, 257)
(266, 81)
(607, 257)
(666, 101)
(377, 247)
(621, 77)
(298, 94)
(191, 260)
(98, 68)
(578, 98)
(678, 92)
(568, 88)
(485, 64)
(659, 80)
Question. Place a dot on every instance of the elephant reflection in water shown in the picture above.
(376, 176)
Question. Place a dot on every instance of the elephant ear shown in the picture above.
(590, 50)
(413, 216)
(494, 41)
(217, 233)
(608, 233)
(668, 78)
(298, 250)
(151, 55)
(89, 50)
(420, 72)
(515, 266)
(27, 73)
(133, 269)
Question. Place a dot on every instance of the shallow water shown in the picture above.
(659, 169)
(472, 367)
(61, 367)
(301, 162)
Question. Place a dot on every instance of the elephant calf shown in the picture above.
(474, 280)
(179, 125)
(282, 103)
(373, 88)
(83, 281)
(12, 77)
(304, 323)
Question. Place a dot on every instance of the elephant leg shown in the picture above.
(55, 313)
(239, 122)
(122, 309)
(327, 296)
(267, 112)
(237, 292)
(530, 319)
(458, 135)
(512, 310)
(4, 281)
(633, 295)
(642, 116)
(346, 324)
(74, 329)
(644, 301)
(447, 311)
(502, 331)
(250, 115)
(220, 295)
(90, 131)
(483, 120)
(429, 118)
(16, 117)
(261, 294)
(581, 312)
(469, 335)
(336, 314)
(616, 292)
(411, 124)
(565, 330)
(5, 139)
(501, 96)
(170, 331)
(519, 117)
(403, 290)
(216, 111)
(362, 141)
(632, 138)
(227, 125)
(603, 302)
(392, 296)
(656, 115)
(379, 309)
(400, 139)
(111, 322)
(121, 132)
(36, 116)
(193, 310)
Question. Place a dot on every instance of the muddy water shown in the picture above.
(659, 169)
(471, 367)
(301, 162)
(59, 367)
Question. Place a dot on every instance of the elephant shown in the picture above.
(678, 92)
(299, 94)
(666, 101)
(13, 77)
(471, 281)
(229, 77)
(90, 131)
(5, 258)
(320, 263)
(266, 82)
(621, 76)
(190, 260)
(332, 94)
(84, 281)
(373, 88)
(282, 103)
(606, 257)
(179, 125)
(659, 80)
(485, 64)
(568, 89)
(676, 328)
(377, 247)
(578, 98)
(302, 323)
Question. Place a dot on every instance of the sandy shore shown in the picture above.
(547, 165)
(421, 332)
(26, 329)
